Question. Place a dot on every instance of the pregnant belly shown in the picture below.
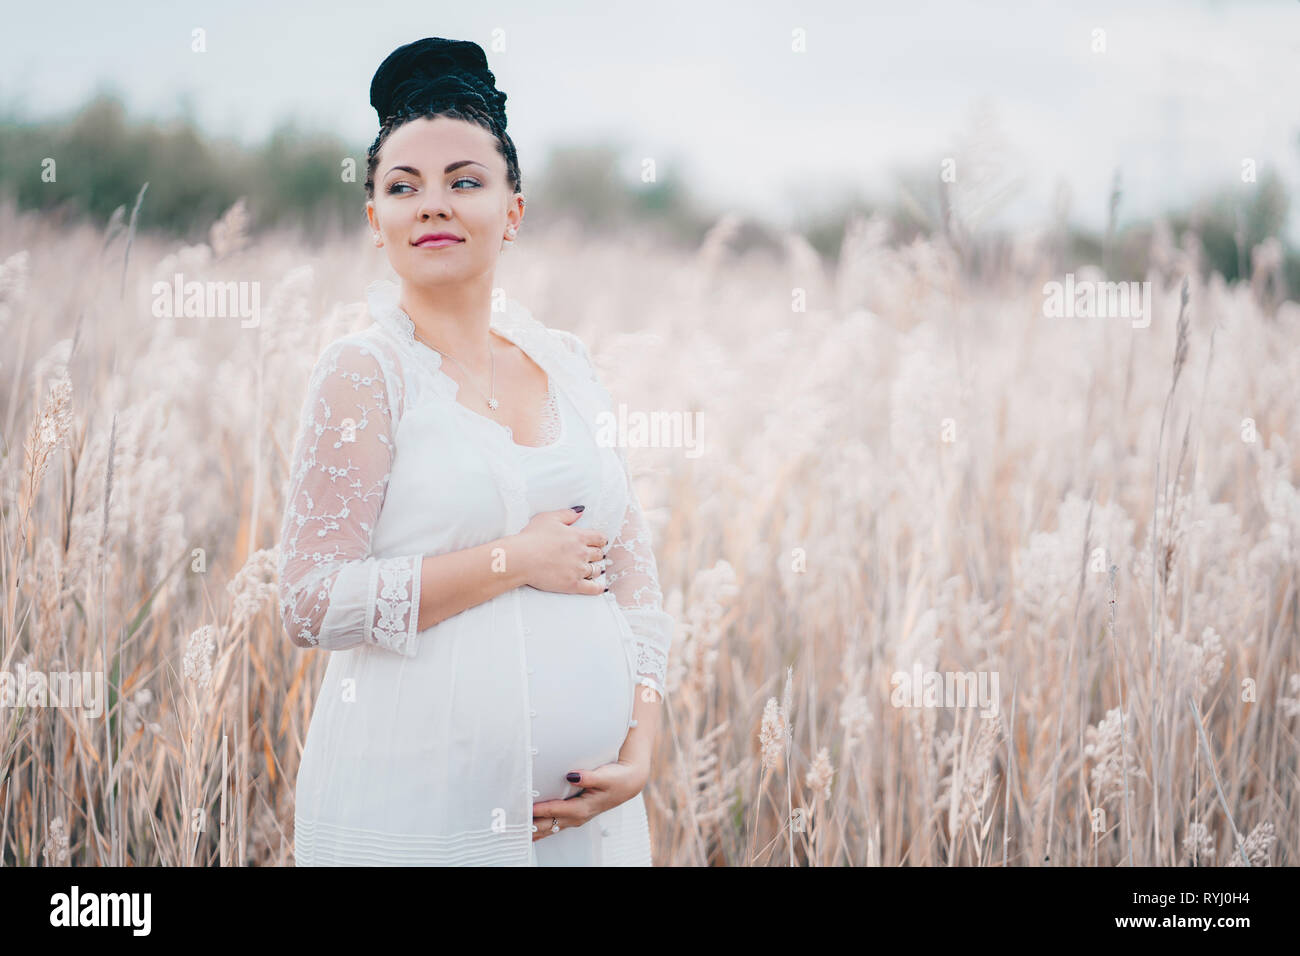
(579, 689)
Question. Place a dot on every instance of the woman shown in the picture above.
(474, 559)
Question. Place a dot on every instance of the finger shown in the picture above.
(543, 825)
(547, 813)
(554, 808)
(594, 538)
(596, 585)
(571, 812)
(594, 553)
(587, 779)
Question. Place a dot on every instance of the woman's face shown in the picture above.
(442, 175)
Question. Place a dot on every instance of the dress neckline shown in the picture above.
(561, 427)
(382, 299)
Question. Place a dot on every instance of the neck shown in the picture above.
(453, 319)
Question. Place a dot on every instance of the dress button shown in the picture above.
(604, 831)
(534, 751)
(537, 793)
(532, 713)
(528, 630)
(530, 670)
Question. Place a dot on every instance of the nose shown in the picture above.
(435, 204)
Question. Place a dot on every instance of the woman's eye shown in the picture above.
(393, 187)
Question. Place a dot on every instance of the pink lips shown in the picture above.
(435, 240)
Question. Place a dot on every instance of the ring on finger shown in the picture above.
(555, 825)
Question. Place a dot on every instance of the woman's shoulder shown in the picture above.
(363, 348)
(361, 357)
(572, 350)
(569, 339)
(573, 344)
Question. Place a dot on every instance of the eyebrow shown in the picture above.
(450, 168)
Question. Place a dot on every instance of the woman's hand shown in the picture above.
(556, 557)
(603, 789)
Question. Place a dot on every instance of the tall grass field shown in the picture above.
(957, 580)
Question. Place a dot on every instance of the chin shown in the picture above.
(427, 274)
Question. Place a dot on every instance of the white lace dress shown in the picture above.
(430, 747)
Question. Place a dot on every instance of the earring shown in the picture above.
(378, 241)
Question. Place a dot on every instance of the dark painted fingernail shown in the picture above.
(606, 590)
(573, 777)
(578, 508)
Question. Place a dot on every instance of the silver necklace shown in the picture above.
(492, 359)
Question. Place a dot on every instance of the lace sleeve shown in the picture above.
(633, 575)
(333, 593)
(634, 581)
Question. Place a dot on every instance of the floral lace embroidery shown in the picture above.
(329, 579)
(392, 629)
(548, 431)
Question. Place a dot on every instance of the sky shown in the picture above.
(1181, 94)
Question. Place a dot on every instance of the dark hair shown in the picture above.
(437, 77)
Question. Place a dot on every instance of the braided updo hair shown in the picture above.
(437, 77)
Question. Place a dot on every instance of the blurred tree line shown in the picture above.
(294, 181)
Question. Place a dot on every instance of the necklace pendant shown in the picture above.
(493, 403)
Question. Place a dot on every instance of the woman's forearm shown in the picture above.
(453, 582)
(639, 743)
